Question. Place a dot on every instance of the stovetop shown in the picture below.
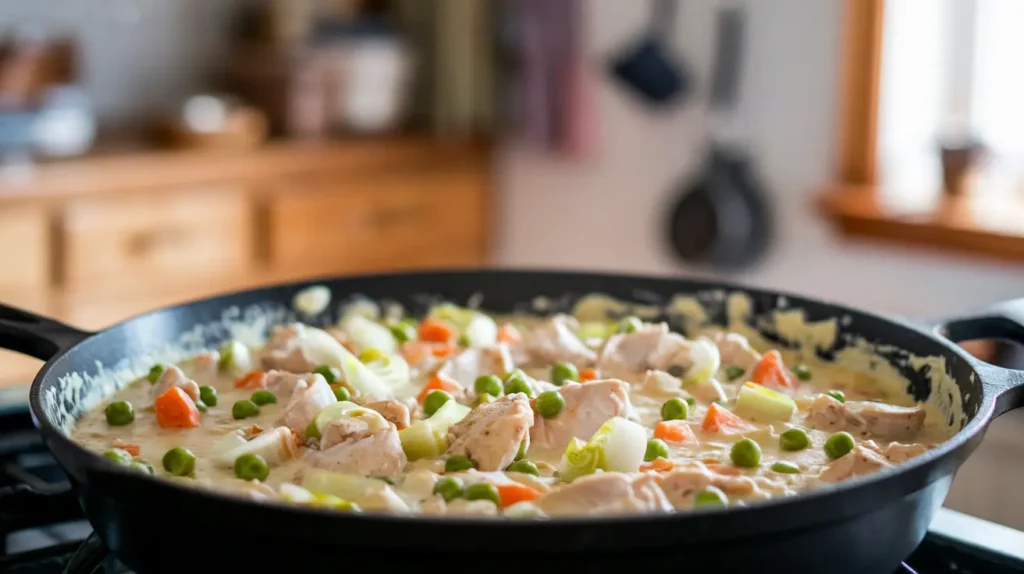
(43, 535)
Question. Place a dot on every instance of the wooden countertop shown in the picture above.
(978, 224)
(141, 169)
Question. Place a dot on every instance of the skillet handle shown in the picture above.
(1001, 321)
(35, 335)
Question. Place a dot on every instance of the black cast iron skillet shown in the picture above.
(868, 524)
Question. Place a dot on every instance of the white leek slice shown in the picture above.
(621, 444)
(227, 443)
(341, 409)
(392, 370)
(758, 403)
(363, 380)
(235, 358)
(523, 509)
(460, 317)
(705, 361)
(368, 334)
(368, 493)
(596, 330)
(579, 460)
(294, 493)
(275, 446)
(481, 331)
(312, 301)
(428, 438)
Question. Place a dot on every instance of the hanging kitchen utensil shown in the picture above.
(650, 68)
(722, 219)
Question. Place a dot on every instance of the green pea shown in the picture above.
(785, 467)
(118, 456)
(487, 384)
(208, 395)
(448, 487)
(341, 393)
(244, 409)
(690, 401)
(837, 395)
(802, 372)
(839, 444)
(745, 453)
(524, 466)
(403, 332)
(515, 382)
(674, 409)
(656, 448)
(794, 439)
(179, 461)
(521, 453)
(630, 325)
(434, 400)
(251, 466)
(312, 431)
(549, 404)
(155, 372)
(261, 398)
(562, 372)
(732, 372)
(141, 466)
(484, 399)
(329, 373)
(711, 496)
(457, 462)
(482, 491)
(370, 355)
(120, 413)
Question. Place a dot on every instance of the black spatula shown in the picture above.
(649, 68)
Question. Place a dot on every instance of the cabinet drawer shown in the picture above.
(148, 238)
(15, 368)
(24, 247)
(428, 220)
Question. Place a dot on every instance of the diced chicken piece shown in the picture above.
(419, 484)
(556, 340)
(174, 377)
(463, 507)
(681, 485)
(661, 384)
(284, 351)
(651, 347)
(672, 352)
(434, 506)
(466, 366)
(735, 350)
(606, 493)
(857, 462)
(345, 429)
(204, 365)
(378, 454)
(394, 411)
(491, 434)
(283, 384)
(306, 402)
(898, 452)
(887, 422)
(587, 407)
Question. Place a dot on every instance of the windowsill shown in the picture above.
(976, 224)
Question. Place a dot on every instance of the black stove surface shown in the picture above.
(42, 535)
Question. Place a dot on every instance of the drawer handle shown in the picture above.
(147, 241)
(387, 218)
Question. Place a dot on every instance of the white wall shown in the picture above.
(606, 212)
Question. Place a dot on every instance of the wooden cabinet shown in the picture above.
(96, 241)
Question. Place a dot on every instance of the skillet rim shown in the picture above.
(978, 423)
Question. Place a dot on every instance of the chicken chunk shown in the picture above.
(682, 484)
(175, 377)
(651, 347)
(556, 340)
(735, 350)
(285, 352)
(283, 384)
(606, 493)
(887, 422)
(587, 407)
(395, 412)
(463, 507)
(492, 433)
(859, 461)
(466, 366)
(377, 454)
(308, 398)
(898, 452)
(661, 384)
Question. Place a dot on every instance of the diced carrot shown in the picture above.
(415, 352)
(442, 351)
(722, 421)
(724, 469)
(674, 431)
(132, 449)
(435, 330)
(511, 493)
(508, 334)
(589, 374)
(175, 409)
(439, 382)
(252, 380)
(658, 465)
(770, 371)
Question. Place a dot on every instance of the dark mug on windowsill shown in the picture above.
(960, 160)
